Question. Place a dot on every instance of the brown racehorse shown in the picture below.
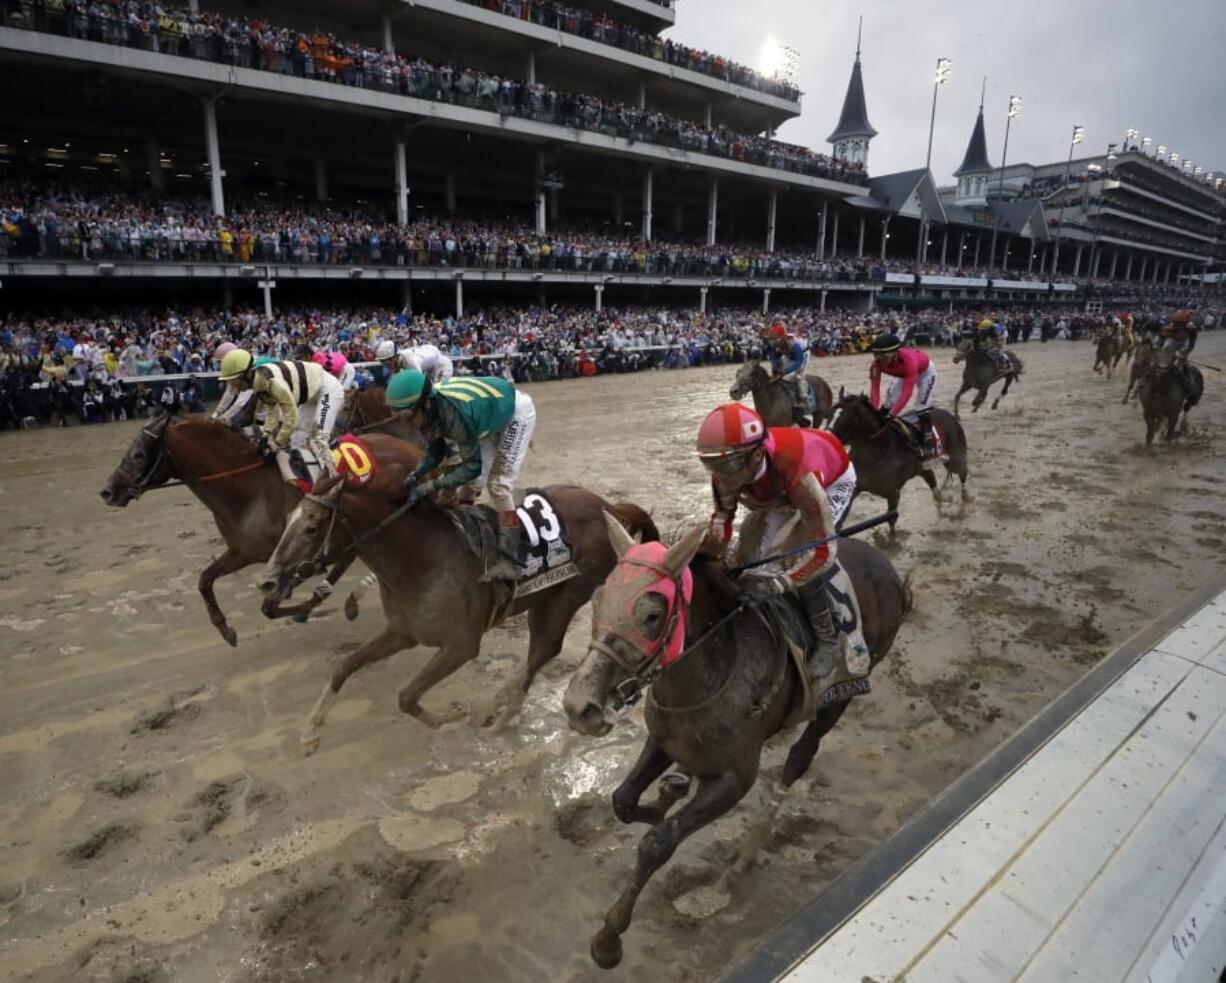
(981, 373)
(246, 494)
(432, 589)
(366, 411)
(1108, 350)
(773, 400)
(1163, 396)
(1140, 365)
(884, 457)
(711, 710)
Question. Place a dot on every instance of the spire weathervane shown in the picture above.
(859, 31)
(983, 92)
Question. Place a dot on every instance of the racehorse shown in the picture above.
(981, 372)
(1140, 365)
(245, 492)
(730, 689)
(366, 411)
(885, 456)
(1163, 396)
(773, 400)
(1108, 351)
(432, 587)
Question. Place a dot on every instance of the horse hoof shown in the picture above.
(606, 949)
(351, 608)
(309, 744)
(230, 635)
(300, 619)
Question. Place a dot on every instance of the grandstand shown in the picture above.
(540, 116)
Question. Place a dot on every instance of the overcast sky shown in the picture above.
(1156, 65)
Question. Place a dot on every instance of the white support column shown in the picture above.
(647, 202)
(885, 234)
(772, 203)
(193, 6)
(1167, 276)
(153, 154)
(766, 300)
(214, 155)
(712, 209)
(321, 179)
(961, 248)
(1144, 264)
(860, 247)
(822, 305)
(944, 243)
(1030, 263)
(449, 192)
(821, 230)
(702, 300)
(539, 171)
(1128, 267)
(978, 239)
(459, 298)
(708, 116)
(834, 236)
(642, 94)
(530, 68)
(1077, 260)
(268, 284)
(1154, 277)
(389, 45)
(1098, 255)
(400, 161)
(599, 296)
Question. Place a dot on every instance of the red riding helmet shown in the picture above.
(728, 430)
(777, 332)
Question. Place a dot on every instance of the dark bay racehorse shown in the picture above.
(885, 457)
(1163, 396)
(1140, 365)
(773, 400)
(1108, 351)
(981, 372)
(366, 411)
(432, 588)
(710, 711)
(245, 493)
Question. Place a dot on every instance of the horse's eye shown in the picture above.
(138, 455)
(312, 530)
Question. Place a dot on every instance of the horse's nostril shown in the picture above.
(106, 494)
(267, 586)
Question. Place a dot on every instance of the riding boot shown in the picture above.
(821, 658)
(839, 663)
(511, 539)
(927, 448)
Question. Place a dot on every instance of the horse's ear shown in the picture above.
(842, 394)
(619, 539)
(685, 549)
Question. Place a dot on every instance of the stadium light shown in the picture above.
(1161, 151)
(942, 75)
(1197, 171)
(1130, 135)
(1174, 157)
(1015, 106)
(1145, 142)
(1079, 134)
(1111, 152)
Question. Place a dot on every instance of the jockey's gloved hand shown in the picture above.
(760, 590)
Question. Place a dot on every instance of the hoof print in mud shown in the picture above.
(124, 784)
(101, 842)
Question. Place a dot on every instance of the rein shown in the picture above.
(365, 427)
(323, 561)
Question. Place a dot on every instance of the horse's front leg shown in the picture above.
(958, 396)
(652, 763)
(272, 608)
(715, 796)
(228, 562)
(978, 402)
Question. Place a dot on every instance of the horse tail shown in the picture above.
(636, 521)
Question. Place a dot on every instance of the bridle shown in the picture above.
(155, 434)
(320, 561)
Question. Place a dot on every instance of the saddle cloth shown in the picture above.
(550, 556)
(909, 424)
(351, 456)
(787, 621)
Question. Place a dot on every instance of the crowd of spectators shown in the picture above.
(65, 222)
(249, 42)
(117, 358)
(602, 28)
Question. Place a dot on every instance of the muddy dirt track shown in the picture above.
(158, 822)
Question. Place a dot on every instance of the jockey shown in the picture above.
(990, 338)
(780, 474)
(336, 364)
(488, 423)
(425, 358)
(229, 406)
(913, 372)
(300, 397)
(1126, 332)
(1179, 336)
(789, 357)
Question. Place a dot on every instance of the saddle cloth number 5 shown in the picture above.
(539, 520)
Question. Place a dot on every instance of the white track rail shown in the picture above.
(1097, 854)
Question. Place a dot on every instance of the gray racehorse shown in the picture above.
(982, 372)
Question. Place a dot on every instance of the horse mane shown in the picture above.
(207, 428)
(710, 568)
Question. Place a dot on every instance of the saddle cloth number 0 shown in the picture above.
(540, 521)
(353, 460)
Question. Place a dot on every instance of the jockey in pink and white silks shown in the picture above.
(913, 375)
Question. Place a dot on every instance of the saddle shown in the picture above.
(550, 555)
(922, 434)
